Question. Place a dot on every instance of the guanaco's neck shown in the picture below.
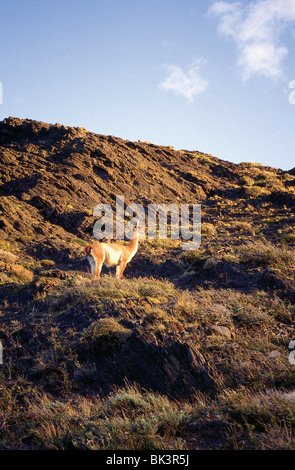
(133, 244)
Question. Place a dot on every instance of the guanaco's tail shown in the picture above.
(88, 249)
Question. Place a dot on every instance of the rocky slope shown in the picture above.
(180, 322)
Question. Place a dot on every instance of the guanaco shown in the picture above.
(112, 254)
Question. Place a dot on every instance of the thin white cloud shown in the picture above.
(257, 29)
(188, 84)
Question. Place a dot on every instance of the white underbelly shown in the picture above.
(112, 257)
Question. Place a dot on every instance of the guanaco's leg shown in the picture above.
(98, 269)
(120, 269)
(96, 259)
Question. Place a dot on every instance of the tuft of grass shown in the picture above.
(88, 213)
(11, 272)
(7, 256)
(288, 238)
(242, 226)
(253, 191)
(47, 262)
(246, 181)
(208, 229)
(261, 253)
(104, 334)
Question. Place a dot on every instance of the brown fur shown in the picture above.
(111, 254)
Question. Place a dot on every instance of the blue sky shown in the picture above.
(204, 75)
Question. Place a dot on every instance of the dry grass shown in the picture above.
(132, 419)
(263, 253)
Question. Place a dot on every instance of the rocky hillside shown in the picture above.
(209, 328)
